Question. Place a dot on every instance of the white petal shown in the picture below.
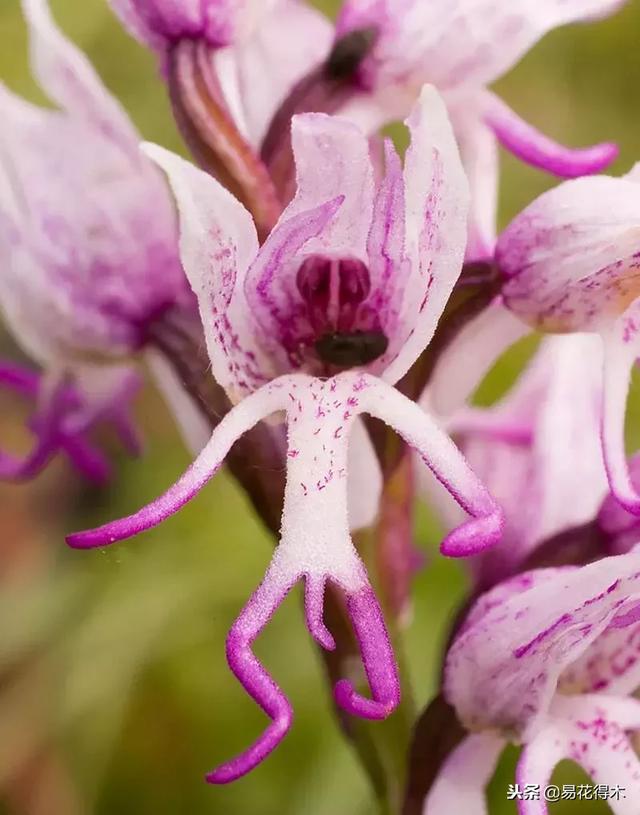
(621, 349)
(261, 70)
(462, 781)
(70, 80)
(218, 241)
(504, 668)
(437, 199)
(486, 337)
(332, 159)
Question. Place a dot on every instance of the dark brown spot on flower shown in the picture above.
(351, 349)
(349, 52)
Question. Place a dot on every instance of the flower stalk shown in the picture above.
(212, 135)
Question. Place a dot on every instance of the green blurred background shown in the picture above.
(115, 697)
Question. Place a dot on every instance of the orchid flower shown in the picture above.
(87, 257)
(570, 262)
(258, 48)
(319, 323)
(462, 46)
(514, 448)
(549, 660)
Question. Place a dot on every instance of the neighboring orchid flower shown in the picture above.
(549, 660)
(260, 48)
(66, 414)
(319, 323)
(229, 65)
(88, 249)
(160, 23)
(462, 46)
(571, 263)
(529, 447)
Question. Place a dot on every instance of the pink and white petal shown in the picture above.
(571, 256)
(610, 665)
(624, 711)
(621, 349)
(444, 459)
(372, 110)
(487, 337)
(437, 201)
(271, 398)
(27, 314)
(572, 412)
(589, 730)
(479, 151)
(503, 670)
(613, 518)
(332, 159)
(537, 762)
(450, 42)
(534, 148)
(135, 24)
(56, 281)
(261, 70)
(388, 268)
(634, 173)
(504, 591)
(191, 422)
(513, 447)
(69, 79)
(218, 241)
(508, 472)
(160, 23)
(465, 55)
(19, 117)
(462, 781)
(363, 469)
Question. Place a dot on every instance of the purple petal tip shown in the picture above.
(249, 760)
(474, 536)
(538, 150)
(357, 705)
(89, 540)
(588, 161)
